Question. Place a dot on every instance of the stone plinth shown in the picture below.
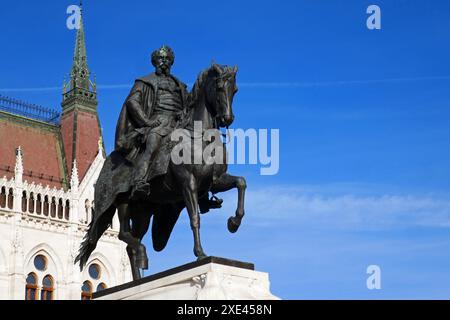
(207, 279)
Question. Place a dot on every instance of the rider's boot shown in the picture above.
(206, 204)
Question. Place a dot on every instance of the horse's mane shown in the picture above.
(198, 85)
(194, 96)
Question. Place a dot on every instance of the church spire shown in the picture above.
(80, 70)
(80, 126)
(80, 85)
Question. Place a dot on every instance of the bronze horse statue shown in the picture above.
(181, 187)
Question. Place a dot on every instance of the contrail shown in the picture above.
(261, 84)
(335, 83)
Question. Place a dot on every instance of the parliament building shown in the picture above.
(49, 163)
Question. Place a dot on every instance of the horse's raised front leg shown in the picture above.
(227, 182)
(191, 200)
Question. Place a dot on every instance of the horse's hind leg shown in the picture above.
(140, 224)
(191, 200)
(227, 182)
(132, 256)
(139, 227)
(126, 236)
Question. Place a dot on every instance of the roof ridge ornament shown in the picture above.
(74, 182)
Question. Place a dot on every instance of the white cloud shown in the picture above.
(306, 207)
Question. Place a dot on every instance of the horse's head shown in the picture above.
(220, 90)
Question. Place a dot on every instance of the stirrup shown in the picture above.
(215, 202)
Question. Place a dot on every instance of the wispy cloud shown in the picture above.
(357, 211)
(287, 84)
(307, 84)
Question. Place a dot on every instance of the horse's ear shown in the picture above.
(235, 69)
(217, 68)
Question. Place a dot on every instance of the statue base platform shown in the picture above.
(211, 278)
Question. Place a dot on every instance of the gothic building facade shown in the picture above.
(49, 162)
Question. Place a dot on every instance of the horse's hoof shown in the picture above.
(142, 263)
(233, 226)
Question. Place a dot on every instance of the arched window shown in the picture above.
(24, 201)
(53, 208)
(47, 288)
(3, 198)
(67, 210)
(101, 286)
(31, 288)
(60, 209)
(38, 204)
(86, 291)
(31, 203)
(46, 206)
(96, 276)
(10, 198)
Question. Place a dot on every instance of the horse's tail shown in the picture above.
(96, 229)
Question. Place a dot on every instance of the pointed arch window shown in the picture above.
(96, 280)
(38, 204)
(3, 197)
(10, 198)
(67, 210)
(24, 201)
(53, 208)
(31, 203)
(46, 205)
(60, 209)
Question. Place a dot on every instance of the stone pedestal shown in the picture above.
(208, 279)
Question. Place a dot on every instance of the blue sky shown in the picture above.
(363, 116)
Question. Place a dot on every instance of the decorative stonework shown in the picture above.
(17, 243)
(220, 279)
(43, 206)
(57, 225)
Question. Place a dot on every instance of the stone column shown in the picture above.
(16, 271)
(73, 276)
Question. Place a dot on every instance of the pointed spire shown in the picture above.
(18, 169)
(80, 84)
(74, 182)
(80, 70)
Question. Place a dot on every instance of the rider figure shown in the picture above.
(154, 107)
(168, 102)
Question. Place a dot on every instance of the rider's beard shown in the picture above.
(163, 69)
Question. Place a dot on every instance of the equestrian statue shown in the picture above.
(140, 179)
